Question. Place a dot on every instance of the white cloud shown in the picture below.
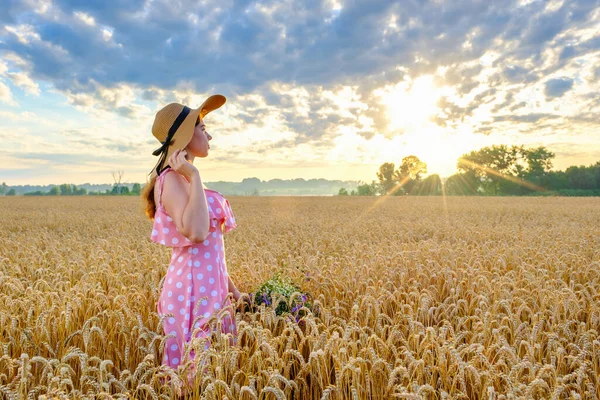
(85, 18)
(6, 95)
(21, 79)
(25, 33)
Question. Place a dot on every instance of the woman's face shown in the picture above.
(199, 145)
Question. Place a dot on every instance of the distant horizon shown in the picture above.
(206, 182)
(443, 178)
(556, 167)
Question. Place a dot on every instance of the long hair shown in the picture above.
(148, 198)
(148, 192)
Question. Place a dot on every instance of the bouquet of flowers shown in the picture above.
(280, 291)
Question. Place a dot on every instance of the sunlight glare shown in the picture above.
(410, 104)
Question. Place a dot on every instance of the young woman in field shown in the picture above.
(191, 219)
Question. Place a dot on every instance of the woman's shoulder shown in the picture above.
(175, 180)
(179, 179)
(214, 191)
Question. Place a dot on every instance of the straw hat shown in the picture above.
(174, 127)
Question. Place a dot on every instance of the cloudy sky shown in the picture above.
(315, 89)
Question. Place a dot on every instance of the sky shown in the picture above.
(315, 89)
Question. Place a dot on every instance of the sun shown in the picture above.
(410, 103)
(410, 106)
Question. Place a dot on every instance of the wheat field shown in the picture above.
(458, 298)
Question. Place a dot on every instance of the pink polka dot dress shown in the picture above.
(196, 282)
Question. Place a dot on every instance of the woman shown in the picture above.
(191, 219)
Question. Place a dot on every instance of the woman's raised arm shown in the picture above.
(184, 199)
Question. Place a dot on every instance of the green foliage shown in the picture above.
(462, 184)
(343, 192)
(367, 189)
(503, 170)
(569, 192)
(11, 192)
(498, 170)
(63, 190)
(405, 179)
(136, 189)
(430, 186)
(120, 190)
(278, 286)
(387, 177)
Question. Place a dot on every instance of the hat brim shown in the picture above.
(212, 103)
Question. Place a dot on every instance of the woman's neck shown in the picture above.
(190, 158)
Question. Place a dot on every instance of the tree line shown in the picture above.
(67, 189)
(497, 170)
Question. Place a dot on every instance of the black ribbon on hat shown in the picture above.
(163, 150)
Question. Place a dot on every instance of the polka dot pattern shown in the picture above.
(165, 232)
(196, 282)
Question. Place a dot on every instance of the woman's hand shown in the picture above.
(236, 294)
(246, 300)
(180, 164)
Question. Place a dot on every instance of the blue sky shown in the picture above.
(315, 89)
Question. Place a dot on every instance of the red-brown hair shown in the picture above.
(148, 198)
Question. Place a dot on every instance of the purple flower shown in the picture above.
(267, 302)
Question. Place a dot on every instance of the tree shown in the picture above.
(387, 177)
(343, 192)
(3, 188)
(11, 192)
(580, 177)
(367, 189)
(136, 189)
(596, 169)
(462, 184)
(508, 170)
(251, 185)
(117, 177)
(65, 189)
(54, 191)
(410, 172)
(556, 180)
(430, 186)
(489, 164)
(539, 161)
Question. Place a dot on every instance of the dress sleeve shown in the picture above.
(220, 213)
(164, 232)
(229, 217)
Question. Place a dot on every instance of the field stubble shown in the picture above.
(417, 297)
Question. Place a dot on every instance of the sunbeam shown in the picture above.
(492, 171)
